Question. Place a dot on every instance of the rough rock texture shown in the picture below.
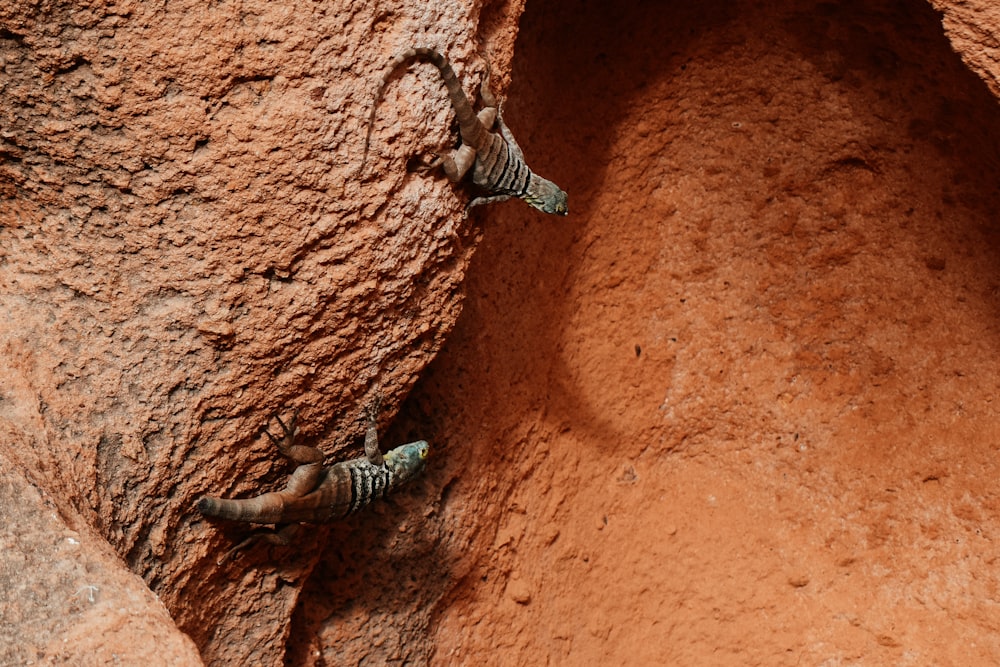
(67, 598)
(974, 29)
(188, 247)
(737, 408)
(740, 407)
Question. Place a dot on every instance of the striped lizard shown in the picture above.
(496, 160)
(317, 494)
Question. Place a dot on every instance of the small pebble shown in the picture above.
(518, 591)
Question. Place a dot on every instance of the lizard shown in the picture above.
(318, 494)
(496, 160)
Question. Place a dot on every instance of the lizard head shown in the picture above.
(407, 461)
(546, 196)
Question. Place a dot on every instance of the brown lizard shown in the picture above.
(317, 494)
(496, 160)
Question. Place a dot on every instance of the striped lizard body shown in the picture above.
(317, 494)
(496, 160)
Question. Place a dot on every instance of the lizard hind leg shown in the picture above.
(285, 443)
(306, 477)
(280, 536)
(420, 164)
(457, 165)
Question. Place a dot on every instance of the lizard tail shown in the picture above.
(471, 129)
(266, 508)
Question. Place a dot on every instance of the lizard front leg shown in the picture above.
(479, 201)
(372, 451)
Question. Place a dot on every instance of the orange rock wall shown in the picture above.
(740, 407)
(190, 246)
(737, 408)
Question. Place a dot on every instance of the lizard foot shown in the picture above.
(420, 164)
(301, 454)
(289, 431)
(281, 537)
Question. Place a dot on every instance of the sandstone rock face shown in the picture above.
(972, 26)
(189, 247)
(737, 408)
(67, 597)
(740, 407)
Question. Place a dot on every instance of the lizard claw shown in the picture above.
(420, 165)
(372, 451)
(373, 408)
(289, 431)
(281, 537)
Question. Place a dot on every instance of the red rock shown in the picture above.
(755, 191)
(774, 302)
